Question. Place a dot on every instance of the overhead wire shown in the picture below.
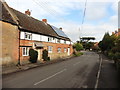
(44, 5)
(83, 19)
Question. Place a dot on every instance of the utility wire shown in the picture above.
(84, 12)
(83, 19)
(44, 5)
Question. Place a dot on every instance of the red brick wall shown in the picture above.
(53, 55)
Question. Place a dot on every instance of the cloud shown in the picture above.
(96, 11)
(58, 9)
(88, 30)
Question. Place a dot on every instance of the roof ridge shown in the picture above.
(12, 14)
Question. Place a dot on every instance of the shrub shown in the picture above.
(78, 46)
(45, 55)
(111, 55)
(117, 55)
(33, 56)
(78, 54)
(48, 58)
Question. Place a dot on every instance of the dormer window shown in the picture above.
(28, 36)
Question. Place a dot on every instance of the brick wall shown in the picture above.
(10, 43)
(53, 55)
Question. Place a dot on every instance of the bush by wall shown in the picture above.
(77, 54)
(45, 55)
(33, 56)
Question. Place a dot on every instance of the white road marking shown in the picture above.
(76, 63)
(98, 74)
(50, 77)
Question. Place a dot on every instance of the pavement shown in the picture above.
(109, 76)
(14, 69)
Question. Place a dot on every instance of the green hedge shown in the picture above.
(45, 55)
(78, 54)
(33, 56)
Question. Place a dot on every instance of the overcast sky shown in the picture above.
(101, 15)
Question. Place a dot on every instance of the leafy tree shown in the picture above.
(107, 43)
(78, 46)
(89, 45)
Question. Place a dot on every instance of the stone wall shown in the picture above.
(10, 43)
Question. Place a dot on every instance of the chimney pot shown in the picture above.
(60, 28)
(28, 12)
(44, 20)
(113, 33)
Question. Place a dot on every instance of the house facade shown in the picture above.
(116, 33)
(21, 32)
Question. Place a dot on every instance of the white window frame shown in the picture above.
(29, 36)
(50, 39)
(50, 49)
(58, 40)
(26, 51)
(59, 50)
(64, 41)
(65, 50)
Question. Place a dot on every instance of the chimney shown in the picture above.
(113, 33)
(60, 28)
(119, 30)
(44, 20)
(28, 12)
(116, 32)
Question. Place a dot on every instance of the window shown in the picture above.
(25, 51)
(65, 50)
(59, 50)
(50, 49)
(58, 40)
(49, 39)
(28, 36)
(64, 42)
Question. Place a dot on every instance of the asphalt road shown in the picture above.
(78, 72)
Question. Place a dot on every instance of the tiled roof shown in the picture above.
(28, 23)
(5, 16)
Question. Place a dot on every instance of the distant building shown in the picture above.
(20, 32)
(116, 33)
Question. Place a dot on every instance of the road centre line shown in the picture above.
(76, 63)
(50, 77)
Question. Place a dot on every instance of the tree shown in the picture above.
(78, 46)
(107, 43)
(89, 45)
(87, 39)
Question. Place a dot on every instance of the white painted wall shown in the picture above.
(53, 41)
(62, 41)
(22, 35)
(67, 42)
(44, 38)
(36, 37)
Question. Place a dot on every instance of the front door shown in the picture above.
(68, 51)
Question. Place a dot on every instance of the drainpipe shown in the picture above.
(18, 64)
